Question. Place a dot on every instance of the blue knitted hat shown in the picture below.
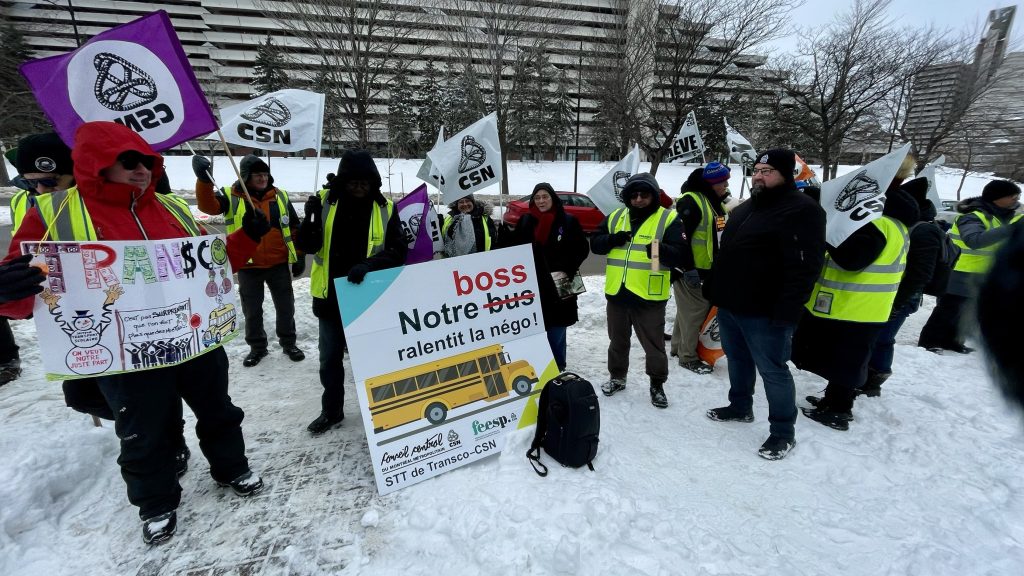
(716, 172)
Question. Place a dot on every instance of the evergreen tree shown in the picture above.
(268, 74)
(19, 113)
(428, 108)
(402, 118)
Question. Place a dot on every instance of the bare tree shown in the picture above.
(671, 57)
(846, 70)
(490, 41)
(360, 46)
(19, 113)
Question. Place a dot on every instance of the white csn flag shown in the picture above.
(933, 190)
(688, 144)
(854, 199)
(288, 120)
(468, 161)
(606, 193)
(740, 149)
(426, 169)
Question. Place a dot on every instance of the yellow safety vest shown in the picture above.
(19, 207)
(66, 218)
(319, 276)
(237, 207)
(976, 260)
(702, 243)
(629, 265)
(483, 221)
(863, 295)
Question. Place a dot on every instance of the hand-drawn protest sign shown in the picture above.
(111, 307)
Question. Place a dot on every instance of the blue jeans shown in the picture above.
(752, 344)
(882, 352)
(556, 338)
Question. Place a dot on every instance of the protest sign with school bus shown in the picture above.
(448, 357)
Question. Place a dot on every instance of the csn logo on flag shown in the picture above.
(130, 85)
(270, 113)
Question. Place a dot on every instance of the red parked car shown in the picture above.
(579, 206)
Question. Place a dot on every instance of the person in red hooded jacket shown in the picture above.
(117, 171)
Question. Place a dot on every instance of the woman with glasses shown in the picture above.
(559, 249)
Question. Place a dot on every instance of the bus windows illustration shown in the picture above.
(431, 389)
(222, 323)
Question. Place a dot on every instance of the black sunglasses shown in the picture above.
(45, 182)
(640, 193)
(131, 160)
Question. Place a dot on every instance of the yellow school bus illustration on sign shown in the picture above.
(431, 389)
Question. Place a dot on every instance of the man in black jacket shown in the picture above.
(355, 219)
(923, 259)
(772, 250)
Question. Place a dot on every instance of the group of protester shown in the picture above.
(778, 286)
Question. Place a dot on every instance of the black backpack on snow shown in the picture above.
(568, 422)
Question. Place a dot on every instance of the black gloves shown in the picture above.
(299, 267)
(19, 280)
(358, 272)
(620, 238)
(313, 209)
(692, 278)
(255, 223)
(203, 168)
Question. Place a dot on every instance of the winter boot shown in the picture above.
(730, 414)
(658, 397)
(159, 528)
(776, 447)
(324, 422)
(10, 371)
(873, 386)
(697, 367)
(248, 484)
(822, 414)
(613, 385)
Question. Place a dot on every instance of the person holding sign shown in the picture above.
(636, 290)
(771, 253)
(351, 229)
(703, 217)
(559, 249)
(852, 302)
(116, 171)
(273, 258)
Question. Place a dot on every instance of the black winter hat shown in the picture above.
(357, 165)
(782, 160)
(997, 189)
(250, 164)
(43, 153)
(641, 181)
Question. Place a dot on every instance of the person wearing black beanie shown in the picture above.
(984, 224)
(345, 214)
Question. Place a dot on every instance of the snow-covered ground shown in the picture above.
(927, 481)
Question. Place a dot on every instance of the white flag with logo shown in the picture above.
(288, 120)
(606, 193)
(933, 190)
(468, 161)
(688, 144)
(854, 199)
(427, 168)
(740, 149)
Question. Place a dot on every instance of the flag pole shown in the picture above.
(234, 166)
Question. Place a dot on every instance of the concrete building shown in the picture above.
(220, 38)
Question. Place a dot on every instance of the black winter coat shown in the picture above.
(564, 251)
(773, 248)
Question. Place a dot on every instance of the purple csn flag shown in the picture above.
(135, 74)
(414, 210)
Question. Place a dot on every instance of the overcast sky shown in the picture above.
(956, 15)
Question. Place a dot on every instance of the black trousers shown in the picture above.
(8, 347)
(838, 351)
(147, 419)
(332, 367)
(944, 328)
(250, 290)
